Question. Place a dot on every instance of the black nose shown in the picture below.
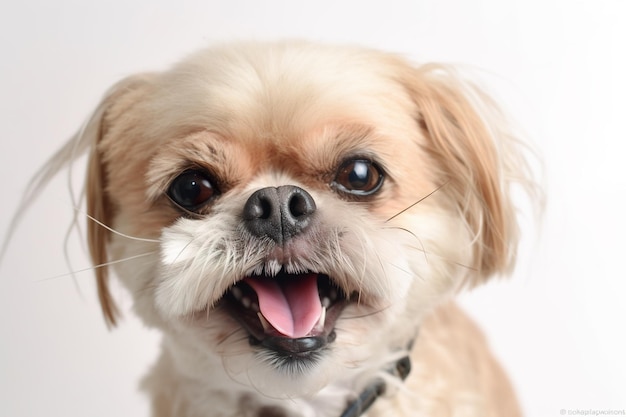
(278, 213)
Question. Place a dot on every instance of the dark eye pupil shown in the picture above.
(191, 189)
(359, 177)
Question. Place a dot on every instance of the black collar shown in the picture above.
(376, 388)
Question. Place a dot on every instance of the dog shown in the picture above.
(296, 218)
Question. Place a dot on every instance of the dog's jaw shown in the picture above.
(175, 382)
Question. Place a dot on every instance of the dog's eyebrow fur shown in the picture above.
(222, 157)
(201, 150)
(328, 146)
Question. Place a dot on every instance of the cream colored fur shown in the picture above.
(260, 115)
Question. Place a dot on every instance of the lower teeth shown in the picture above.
(322, 320)
(266, 326)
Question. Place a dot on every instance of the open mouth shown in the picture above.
(292, 315)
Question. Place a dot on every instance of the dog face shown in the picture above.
(287, 213)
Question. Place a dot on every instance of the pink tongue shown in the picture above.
(293, 307)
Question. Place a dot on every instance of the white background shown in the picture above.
(558, 67)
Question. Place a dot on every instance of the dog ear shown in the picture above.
(468, 138)
(99, 208)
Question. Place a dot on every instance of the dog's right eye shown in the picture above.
(359, 177)
(191, 190)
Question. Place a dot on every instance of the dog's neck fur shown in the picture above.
(176, 390)
(174, 394)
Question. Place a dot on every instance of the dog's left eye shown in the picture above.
(191, 190)
(359, 177)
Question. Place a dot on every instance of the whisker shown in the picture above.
(116, 261)
(180, 253)
(471, 268)
(426, 253)
(363, 271)
(417, 202)
(401, 269)
(416, 238)
(66, 254)
(110, 229)
(423, 250)
(62, 158)
(381, 265)
(234, 336)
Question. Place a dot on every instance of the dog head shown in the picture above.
(288, 212)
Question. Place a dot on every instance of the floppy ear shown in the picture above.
(468, 139)
(99, 208)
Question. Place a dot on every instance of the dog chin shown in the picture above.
(275, 376)
(213, 345)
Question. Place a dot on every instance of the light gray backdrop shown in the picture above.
(558, 67)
